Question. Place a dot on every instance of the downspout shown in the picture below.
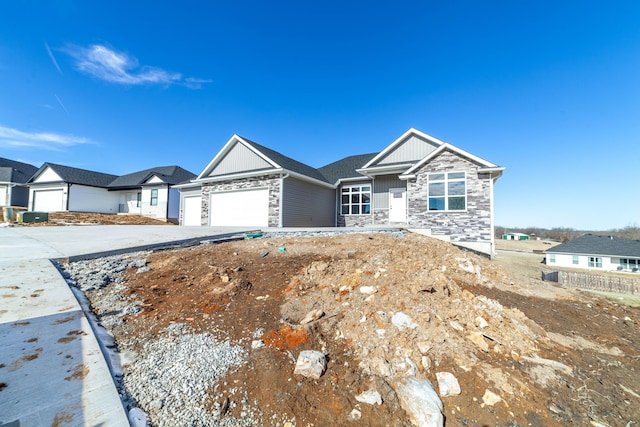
(493, 232)
(166, 215)
(68, 194)
(336, 205)
(285, 176)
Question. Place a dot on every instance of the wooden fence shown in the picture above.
(621, 285)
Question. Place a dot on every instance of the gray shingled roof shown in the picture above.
(287, 162)
(590, 244)
(80, 176)
(13, 171)
(346, 168)
(169, 174)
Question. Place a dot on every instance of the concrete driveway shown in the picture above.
(52, 370)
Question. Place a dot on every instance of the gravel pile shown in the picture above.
(173, 375)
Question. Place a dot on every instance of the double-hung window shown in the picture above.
(139, 199)
(447, 191)
(576, 260)
(154, 197)
(595, 262)
(355, 200)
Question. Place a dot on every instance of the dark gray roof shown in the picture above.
(346, 168)
(287, 162)
(169, 174)
(13, 171)
(80, 176)
(590, 244)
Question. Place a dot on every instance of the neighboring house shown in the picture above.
(515, 236)
(62, 188)
(597, 252)
(416, 182)
(13, 182)
(150, 193)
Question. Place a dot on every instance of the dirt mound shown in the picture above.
(392, 308)
(84, 218)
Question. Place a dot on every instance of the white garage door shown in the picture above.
(48, 201)
(4, 196)
(240, 208)
(192, 211)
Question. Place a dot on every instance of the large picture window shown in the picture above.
(154, 197)
(447, 191)
(355, 200)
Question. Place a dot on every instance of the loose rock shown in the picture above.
(421, 402)
(312, 316)
(490, 398)
(402, 321)
(371, 397)
(447, 384)
(311, 364)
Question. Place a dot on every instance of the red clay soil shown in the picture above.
(570, 360)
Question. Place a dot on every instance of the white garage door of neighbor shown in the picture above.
(240, 208)
(47, 201)
(192, 210)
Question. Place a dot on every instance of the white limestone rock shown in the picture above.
(421, 402)
(448, 384)
(311, 364)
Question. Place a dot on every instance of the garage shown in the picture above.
(192, 210)
(48, 201)
(4, 196)
(240, 208)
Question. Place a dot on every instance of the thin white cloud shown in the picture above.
(61, 104)
(13, 138)
(52, 57)
(112, 66)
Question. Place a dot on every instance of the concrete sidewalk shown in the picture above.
(52, 371)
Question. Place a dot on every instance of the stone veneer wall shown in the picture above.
(270, 181)
(381, 216)
(354, 220)
(472, 225)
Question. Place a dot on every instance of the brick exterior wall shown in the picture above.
(270, 181)
(472, 225)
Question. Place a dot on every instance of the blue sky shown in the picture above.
(549, 90)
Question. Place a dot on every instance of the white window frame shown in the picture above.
(595, 262)
(629, 264)
(575, 260)
(154, 199)
(349, 191)
(552, 258)
(446, 178)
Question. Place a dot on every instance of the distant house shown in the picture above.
(417, 181)
(55, 188)
(13, 182)
(515, 236)
(607, 253)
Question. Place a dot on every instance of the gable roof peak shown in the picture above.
(402, 139)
